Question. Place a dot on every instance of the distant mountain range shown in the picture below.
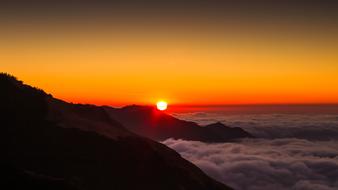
(49, 144)
(157, 125)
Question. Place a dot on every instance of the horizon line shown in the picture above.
(220, 105)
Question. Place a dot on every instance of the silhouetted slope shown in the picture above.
(85, 117)
(149, 122)
(13, 179)
(49, 144)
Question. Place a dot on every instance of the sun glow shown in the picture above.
(161, 105)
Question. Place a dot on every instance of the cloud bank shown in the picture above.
(262, 164)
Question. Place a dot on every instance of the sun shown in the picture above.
(161, 105)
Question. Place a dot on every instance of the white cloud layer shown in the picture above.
(261, 164)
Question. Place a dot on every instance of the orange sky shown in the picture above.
(206, 63)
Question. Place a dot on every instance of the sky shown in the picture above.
(184, 52)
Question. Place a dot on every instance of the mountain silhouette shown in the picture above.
(50, 144)
(157, 125)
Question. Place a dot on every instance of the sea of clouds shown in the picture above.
(259, 164)
(297, 152)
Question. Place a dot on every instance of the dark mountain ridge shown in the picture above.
(50, 144)
(157, 125)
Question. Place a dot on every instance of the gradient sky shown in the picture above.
(185, 52)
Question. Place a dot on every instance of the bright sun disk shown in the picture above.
(162, 105)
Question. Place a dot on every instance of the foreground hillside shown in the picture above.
(50, 144)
